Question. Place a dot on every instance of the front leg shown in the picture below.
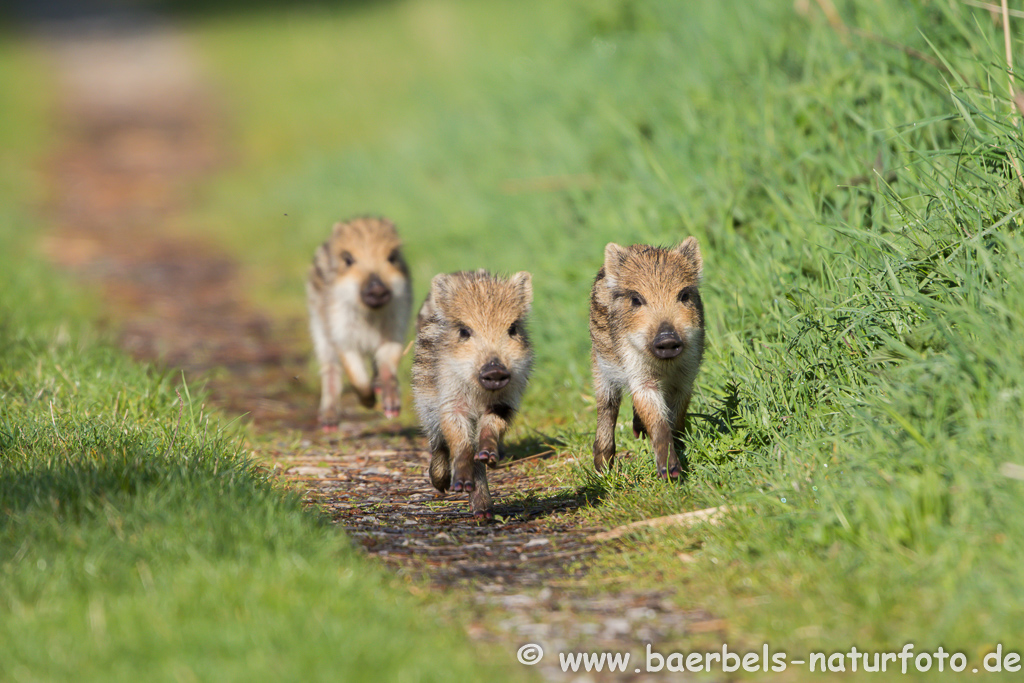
(650, 406)
(492, 425)
(355, 368)
(456, 429)
(330, 392)
(387, 357)
(608, 401)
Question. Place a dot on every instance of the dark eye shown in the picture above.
(685, 295)
(393, 257)
(513, 329)
(637, 301)
(347, 258)
(465, 332)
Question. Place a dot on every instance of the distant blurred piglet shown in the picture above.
(359, 297)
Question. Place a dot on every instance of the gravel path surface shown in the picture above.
(138, 134)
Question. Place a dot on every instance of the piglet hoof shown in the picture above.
(662, 474)
(390, 401)
(673, 473)
(466, 485)
(603, 464)
(488, 456)
(483, 515)
(328, 419)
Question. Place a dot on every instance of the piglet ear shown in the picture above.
(339, 229)
(690, 250)
(523, 282)
(430, 305)
(614, 255)
(439, 289)
(324, 263)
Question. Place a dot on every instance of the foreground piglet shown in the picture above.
(647, 336)
(472, 363)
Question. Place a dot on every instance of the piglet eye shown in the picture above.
(393, 257)
(636, 301)
(347, 258)
(465, 332)
(685, 295)
(513, 330)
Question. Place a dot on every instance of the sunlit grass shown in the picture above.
(859, 222)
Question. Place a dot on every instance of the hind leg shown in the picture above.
(330, 392)
(480, 498)
(677, 458)
(441, 468)
(330, 372)
(639, 431)
(387, 358)
(609, 398)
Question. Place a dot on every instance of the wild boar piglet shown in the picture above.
(472, 363)
(647, 337)
(359, 297)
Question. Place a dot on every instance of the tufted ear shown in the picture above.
(690, 250)
(523, 282)
(614, 255)
(338, 229)
(325, 259)
(324, 263)
(439, 289)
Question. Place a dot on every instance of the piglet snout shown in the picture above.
(374, 292)
(494, 375)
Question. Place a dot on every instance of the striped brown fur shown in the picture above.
(647, 337)
(471, 337)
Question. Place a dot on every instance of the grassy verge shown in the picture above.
(137, 541)
(860, 223)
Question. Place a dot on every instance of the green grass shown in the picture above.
(137, 540)
(863, 336)
(862, 327)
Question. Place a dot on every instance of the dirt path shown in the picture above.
(138, 135)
